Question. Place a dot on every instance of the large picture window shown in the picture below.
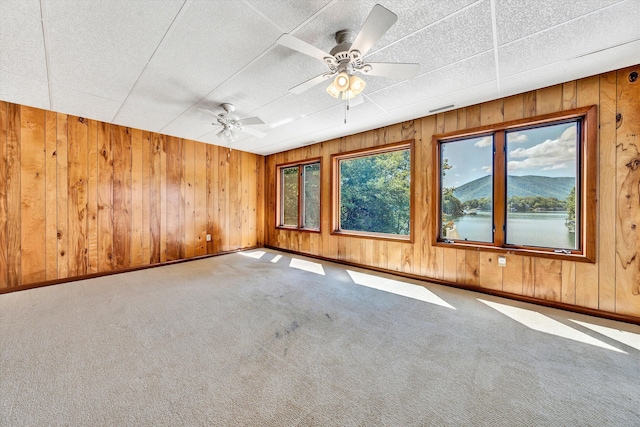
(299, 196)
(372, 192)
(522, 186)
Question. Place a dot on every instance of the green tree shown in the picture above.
(571, 205)
(375, 193)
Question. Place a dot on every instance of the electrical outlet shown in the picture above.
(208, 237)
(502, 261)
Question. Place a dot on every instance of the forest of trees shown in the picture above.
(311, 199)
(375, 193)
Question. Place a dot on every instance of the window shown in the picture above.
(372, 192)
(299, 196)
(522, 186)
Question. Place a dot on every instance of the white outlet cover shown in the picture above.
(502, 261)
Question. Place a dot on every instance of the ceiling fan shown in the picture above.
(231, 123)
(346, 59)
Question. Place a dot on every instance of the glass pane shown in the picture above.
(290, 196)
(467, 189)
(375, 193)
(542, 165)
(311, 203)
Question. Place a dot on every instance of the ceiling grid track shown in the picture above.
(494, 28)
(47, 59)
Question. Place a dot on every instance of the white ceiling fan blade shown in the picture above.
(303, 47)
(393, 70)
(219, 134)
(252, 121)
(253, 132)
(309, 84)
(356, 101)
(378, 22)
(207, 111)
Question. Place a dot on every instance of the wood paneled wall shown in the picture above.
(612, 284)
(79, 197)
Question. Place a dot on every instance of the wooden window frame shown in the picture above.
(300, 165)
(586, 178)
(335, 191)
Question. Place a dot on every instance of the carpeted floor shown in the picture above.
(245, 340)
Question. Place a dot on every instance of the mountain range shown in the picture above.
(528, 185)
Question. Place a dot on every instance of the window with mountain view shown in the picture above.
(525, 186)
(372, 192)
(299, 196)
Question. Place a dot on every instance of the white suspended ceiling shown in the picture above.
(150, 64)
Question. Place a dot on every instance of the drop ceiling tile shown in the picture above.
(467, 73)
(19, 89)
(607, 28)
(21, 42)
(211, 42)
(70, 101)
(516, 19)
(349, 14)
(460, 36)
(616, 58)
(287, 15)
(267, 79)
(101, 47)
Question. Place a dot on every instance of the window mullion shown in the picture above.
(499, 189)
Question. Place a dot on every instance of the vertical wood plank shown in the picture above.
(212, 196)
(628, 197)
(569, 282)
(121, 197)
(14, 262)
(513, 108)
(528, 277)
(200, 198)
(163, 199)
(155, 198)
(175, 198)
(569, 95)
(491, 112)
(472, 268)
(136, 198)
(529, 104)
(77, 207)
(512, 274)
(32, 195)
(548, 279)
(92, 197)
(607, 193)
(235, 199)
(105, 198)
(490, 272)
(3, 193)
(260, 202)
(51, 193)
(63, 195)
(223, 209)
(189, 198)
(549, 99)
(461, 266)
(146, 198)
(588, 93)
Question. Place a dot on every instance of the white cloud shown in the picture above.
(457, 174)
(474, 169)
(487, 141)
(515, 137)
(548, 155)
(487, 169)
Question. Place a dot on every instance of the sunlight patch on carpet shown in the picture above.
(541, 323)
(627, 338)
(276, 258)
(311, 267)
(397, 287)
(254, 254)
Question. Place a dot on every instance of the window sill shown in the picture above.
(308, 230)
(374, 236)
(577, 257)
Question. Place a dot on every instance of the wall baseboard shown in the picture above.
(523, 298)
(109, 273)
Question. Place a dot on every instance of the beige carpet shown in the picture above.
(237, 340)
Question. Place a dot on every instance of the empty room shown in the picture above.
(319, 213)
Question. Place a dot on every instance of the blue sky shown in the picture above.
(544, 151)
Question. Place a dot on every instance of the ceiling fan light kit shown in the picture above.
(231, 123)
(346, 59)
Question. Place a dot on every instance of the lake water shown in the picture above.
(545, 229)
